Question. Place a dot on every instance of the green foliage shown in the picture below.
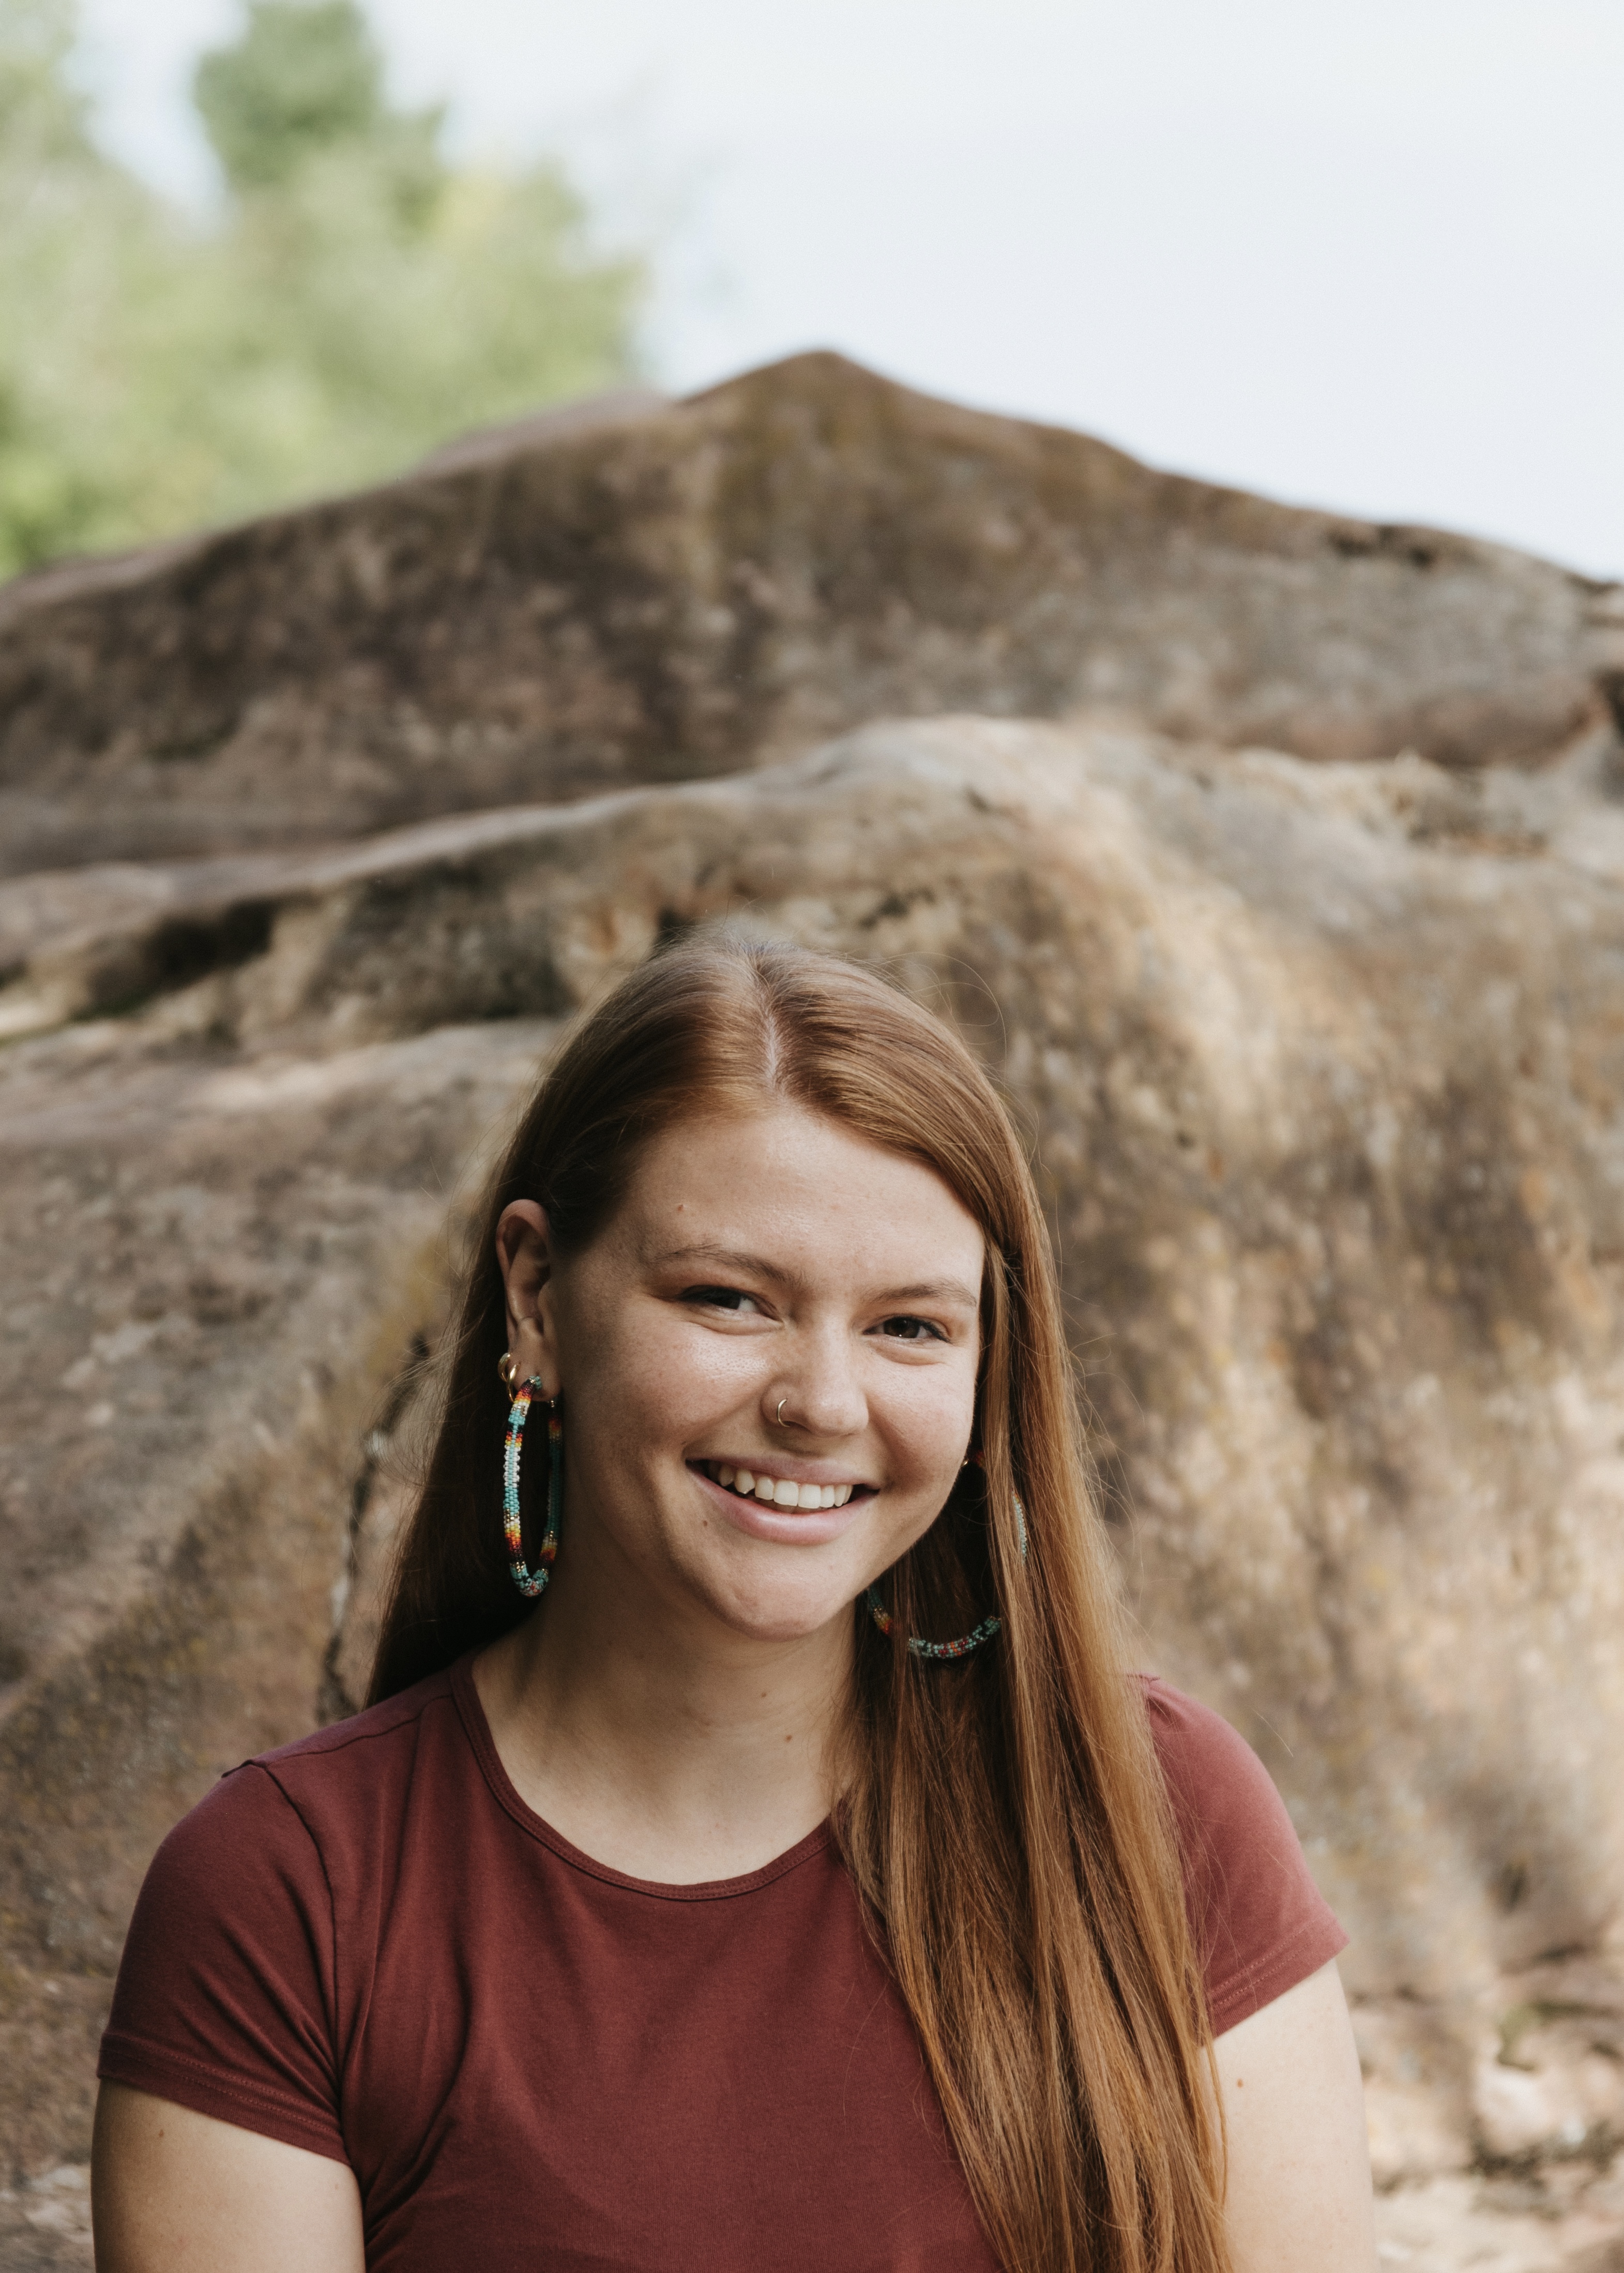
(358, 301)
(40, 119)
(299, 80)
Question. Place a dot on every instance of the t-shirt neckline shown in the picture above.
(505, 1793)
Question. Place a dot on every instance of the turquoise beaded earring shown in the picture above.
(938, 1651)
(529, 1583)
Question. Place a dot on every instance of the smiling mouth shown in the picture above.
(776, 1491)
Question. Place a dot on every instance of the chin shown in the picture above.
(789, 1615)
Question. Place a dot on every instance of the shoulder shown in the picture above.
(281, 1812)
(359, 1745)
(373, 1754)
(1213, 1775)
(234, 1945)
(1261, 1923)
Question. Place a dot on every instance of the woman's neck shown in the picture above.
(678, 1753)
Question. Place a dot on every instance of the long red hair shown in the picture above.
(1004, 1819)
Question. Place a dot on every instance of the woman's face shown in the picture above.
(771, 1266)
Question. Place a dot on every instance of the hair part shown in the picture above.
(1005, 1818)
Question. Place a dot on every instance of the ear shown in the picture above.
(525, 1254)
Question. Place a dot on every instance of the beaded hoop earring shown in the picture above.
(531, 1583)
(938, 1651)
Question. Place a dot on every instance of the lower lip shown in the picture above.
(806, 1526)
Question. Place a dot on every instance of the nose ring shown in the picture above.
(779, 1415)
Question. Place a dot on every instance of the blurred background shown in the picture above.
(1366, 256)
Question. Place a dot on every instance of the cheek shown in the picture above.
(649, 1376)
(930, 1421)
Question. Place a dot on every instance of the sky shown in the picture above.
(1367, 255)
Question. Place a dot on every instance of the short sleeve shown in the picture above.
(224, 1998)
(1261, 1923)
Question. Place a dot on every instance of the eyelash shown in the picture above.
(718, 1298)
(732, 1298)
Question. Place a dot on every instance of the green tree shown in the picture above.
(79, 242)
(300, 79)
(358, 300)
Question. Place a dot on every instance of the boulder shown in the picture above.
(1322, 1065)
(657, 591)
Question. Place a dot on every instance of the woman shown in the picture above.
(754, 1854)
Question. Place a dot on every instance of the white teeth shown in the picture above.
(780, 1492)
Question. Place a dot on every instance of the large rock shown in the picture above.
(1323, 1063)
(655, 592)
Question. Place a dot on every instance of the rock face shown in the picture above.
(1323, 1061)
(669, 591)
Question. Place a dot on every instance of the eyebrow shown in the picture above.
(932, 1290)
(757, 1266)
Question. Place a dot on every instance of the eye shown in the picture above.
(732, 1299)
(912, 1330)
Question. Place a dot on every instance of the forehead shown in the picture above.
(806, 1187)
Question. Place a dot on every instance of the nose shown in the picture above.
(819, 1394)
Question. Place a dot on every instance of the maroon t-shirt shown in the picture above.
(367, 1945)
